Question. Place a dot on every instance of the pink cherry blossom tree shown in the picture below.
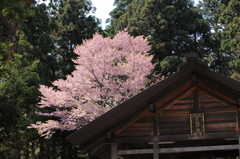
(108, 72)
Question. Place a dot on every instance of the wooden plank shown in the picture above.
(145, 118)
(215, 116)
(216, 97)
(178, 107)
(179, 149)
(165, 119)
(137, 151)
(223, 126)
(131, 119)
(225, 120)
(186, 100)
(219, 109)
(140, 129)
(221, 116)
(138, 139)
(172, 113)
(174, 125)
(176, 99)
(114, 153)
(174, 90)
(136, 132)
(225, 113)
(140, 125)
(212, 104)
(218, 130)
(196, 149)
(175, 131)
(218, 90)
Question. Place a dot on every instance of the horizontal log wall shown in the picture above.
(175, 119)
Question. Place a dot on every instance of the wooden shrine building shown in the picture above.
(192, 114)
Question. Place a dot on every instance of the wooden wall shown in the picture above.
(175, 119)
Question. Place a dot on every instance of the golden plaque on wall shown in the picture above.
(197, 124)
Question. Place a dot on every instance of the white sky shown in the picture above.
(104, 7)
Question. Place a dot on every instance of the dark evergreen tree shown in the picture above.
(115, 14)
(230, 44)
(172, 27)
(11, 13)
(211, 11)
(53, 33)
(37, 43)
(223, 49)
(230, 19)
(18, 96)
(73, 24)
(38, 40)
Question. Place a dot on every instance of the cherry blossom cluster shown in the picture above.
(108, 72)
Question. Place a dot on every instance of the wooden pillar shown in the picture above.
(196, 108)
(239, 146)
(172, 157)
(114, 154)
(238, 120)
(238, 116)
(155, 150)
(155, 134)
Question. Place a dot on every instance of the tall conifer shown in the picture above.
(172, 27)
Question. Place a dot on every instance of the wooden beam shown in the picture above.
(215, 96)
(155, 150)
(239, 145)
(155, 133)
(137, 151)
(200, 148)
(137, 139)
(196, 101)
(194, 79)
(238, 120)
(179, 149)
(114, 151)
(152, 108)
(218, 89)
(172, 92)
(155, 124)
(131, 119)
(176, 99)
(110, 137)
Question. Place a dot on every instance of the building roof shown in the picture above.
(191, 74)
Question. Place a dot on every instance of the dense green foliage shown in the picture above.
(176, 27)
(222, 53)
(11, 13)
(51, 35)
(172, 27)
(36, 49)
(71, 25)
(18, 95)
(37, 43)
(230, 37)
(116, 13)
